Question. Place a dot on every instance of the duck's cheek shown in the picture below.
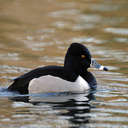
(85, 64)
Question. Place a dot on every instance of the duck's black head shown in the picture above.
(78, 58)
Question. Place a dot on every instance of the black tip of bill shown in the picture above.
(105, 69)
(94, 64)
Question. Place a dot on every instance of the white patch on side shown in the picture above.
(54, 84)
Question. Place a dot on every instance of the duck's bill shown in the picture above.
(94, 64)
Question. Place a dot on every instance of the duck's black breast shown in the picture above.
(89, 77)
(21, 83)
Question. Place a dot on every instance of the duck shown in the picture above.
(73, 76)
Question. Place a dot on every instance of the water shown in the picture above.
(37, 33)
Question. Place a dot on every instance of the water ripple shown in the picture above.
(121, 31)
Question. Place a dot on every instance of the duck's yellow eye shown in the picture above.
(83, 56)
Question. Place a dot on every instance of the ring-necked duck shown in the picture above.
(72, 77)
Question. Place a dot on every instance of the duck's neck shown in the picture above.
(71, 65)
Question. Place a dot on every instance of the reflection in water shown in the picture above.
(76, 110)
(72, 107)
